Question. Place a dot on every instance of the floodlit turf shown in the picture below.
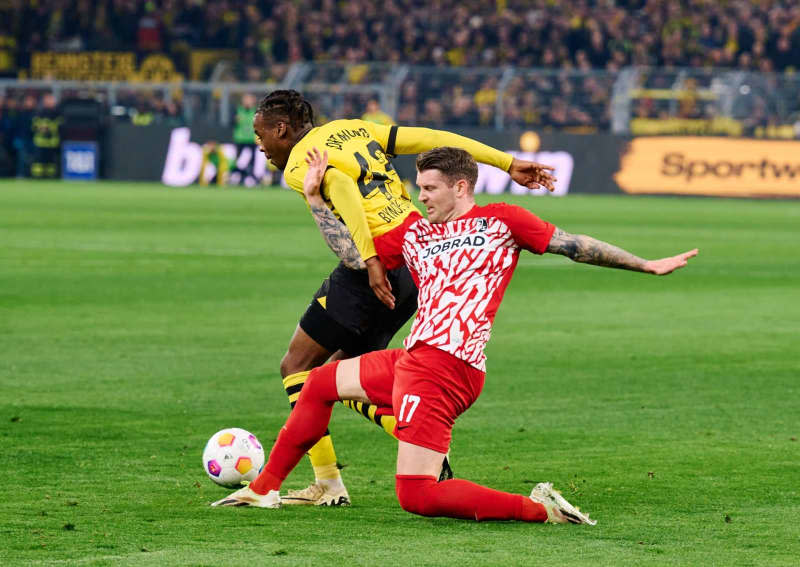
(136, 320)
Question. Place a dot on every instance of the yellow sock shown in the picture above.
(293, 383)
(322, 455)
(385, 422)
(323, 459)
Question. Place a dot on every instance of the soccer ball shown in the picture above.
(231, 456)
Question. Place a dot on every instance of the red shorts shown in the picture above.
(426, 388)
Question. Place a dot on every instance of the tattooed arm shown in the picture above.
(339, 237)
(588, 250)
(336, 235)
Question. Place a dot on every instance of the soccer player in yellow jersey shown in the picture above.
(360, 306)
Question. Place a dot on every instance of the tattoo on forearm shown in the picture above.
(588, 250)
(338, 237)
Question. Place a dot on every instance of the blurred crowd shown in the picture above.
(31, 120)
(458, 50)
(583, 34)
(558, 100)
(27, 126)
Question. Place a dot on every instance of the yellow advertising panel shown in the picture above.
(101, 66)
(710, 166)
(720, 126)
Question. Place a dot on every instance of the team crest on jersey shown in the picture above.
(483, 225)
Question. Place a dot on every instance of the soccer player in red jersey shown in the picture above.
(462, 259)
(360, 306)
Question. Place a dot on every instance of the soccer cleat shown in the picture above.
(246, 497)
(559, 511)
(446, 473)
(317, 495)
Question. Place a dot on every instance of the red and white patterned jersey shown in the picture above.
(462, 268)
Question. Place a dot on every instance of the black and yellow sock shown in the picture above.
(385, 422)
(322, 455)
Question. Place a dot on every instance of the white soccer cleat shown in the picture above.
(246, 497)
(559, 511)
(317, 495)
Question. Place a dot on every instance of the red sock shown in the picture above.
(306, 425)
(459, 498)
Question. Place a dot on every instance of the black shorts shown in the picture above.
(352, 318)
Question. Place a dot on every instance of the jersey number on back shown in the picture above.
(378, 179)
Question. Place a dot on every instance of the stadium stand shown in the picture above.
(585, 34)
(585, 66)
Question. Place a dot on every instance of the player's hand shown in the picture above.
(379, 282)
(312, 183)
(666, 266)
(532, 175)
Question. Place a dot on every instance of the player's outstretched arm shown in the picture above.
(588, 250)
(335, 233)
(412, 140)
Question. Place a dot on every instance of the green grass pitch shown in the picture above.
(137, 320)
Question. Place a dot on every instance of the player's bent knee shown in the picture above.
(414, 494)
(294, 362)
(321, 384)
(302, 356)
(289, 365)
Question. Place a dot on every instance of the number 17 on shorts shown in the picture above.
(407, 408)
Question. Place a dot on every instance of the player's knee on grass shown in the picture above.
(415, 494)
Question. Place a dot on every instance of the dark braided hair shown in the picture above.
(288, 105)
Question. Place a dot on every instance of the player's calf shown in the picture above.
(422, 495)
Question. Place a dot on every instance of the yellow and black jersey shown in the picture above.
(361, 186)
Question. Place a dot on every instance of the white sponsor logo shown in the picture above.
(80, 161)
(471, 240)
(184, 163)
(494, 181)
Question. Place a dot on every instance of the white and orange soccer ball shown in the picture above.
(232, 456)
